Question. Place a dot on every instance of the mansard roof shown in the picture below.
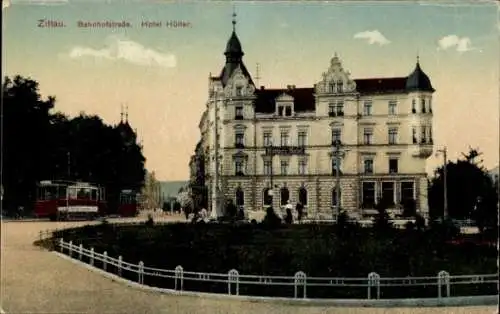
(303, 99)
(381, 85)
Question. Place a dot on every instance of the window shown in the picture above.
(239, 90)
(332, 87)
(238, 113)
(239, 140)
(414, 135)
(336, 135)
(340, 86)
(302, 139)
(284, 196)
(423, 105)
(423, 139)
(284, 138)
(331, 110)
(288, 111)
(413, 106)
(302, 166)
(393, 136)
(303, 196)
(367, 109)
(392, 107)
(334, 197)
(267, 139)
(280, 110)
(407, 191)
(268, 167)
(340, 109)
(267, 199)
(430, 105)
(334, 166)
(368, 193)
(430, 134)
(368, 166)
(240, 197)
(388, 193)
(368, 136)
(284, 167)
(239, 168)
(393, 165)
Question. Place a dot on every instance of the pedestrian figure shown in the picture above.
(300, 211)
(288, 217)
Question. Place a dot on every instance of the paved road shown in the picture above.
(36, 281)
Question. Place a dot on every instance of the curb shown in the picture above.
(384, 303)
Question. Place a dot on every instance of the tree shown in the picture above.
(467, 182)
(382, 221)
(40, 145)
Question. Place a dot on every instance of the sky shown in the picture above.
(161, 73)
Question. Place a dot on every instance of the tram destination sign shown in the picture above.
(285, 150)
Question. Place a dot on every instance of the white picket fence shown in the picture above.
(373, 282)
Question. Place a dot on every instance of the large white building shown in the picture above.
(384, 126)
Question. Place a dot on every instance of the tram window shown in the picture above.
(84, 193)
(72, 193)
(93, 194)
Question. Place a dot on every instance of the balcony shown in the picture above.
(423, 150)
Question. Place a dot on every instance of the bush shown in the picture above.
(150, 222)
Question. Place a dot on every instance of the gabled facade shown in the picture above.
(384, 126)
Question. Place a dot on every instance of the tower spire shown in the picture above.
(234, 19)
(121, 113)
(126, 113)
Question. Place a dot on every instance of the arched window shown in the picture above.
(240, 197)
(303, 196)
(285, 196)
(340, 86)
(267, 200)
(334, 197)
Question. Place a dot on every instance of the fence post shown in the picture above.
(373, 281)
(61, 242)
(443, 279)
(120, 259)
(92, 256)
(80, 251)
(70, 248)
(179, 275)
(233, 277)
(300, 279)
(105, 261)
(141, 272)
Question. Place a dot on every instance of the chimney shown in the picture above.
(261, 87)
(289, 87)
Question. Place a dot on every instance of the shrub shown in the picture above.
(150, 222)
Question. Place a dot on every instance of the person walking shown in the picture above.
(300, 211)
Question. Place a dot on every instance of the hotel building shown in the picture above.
(382, 128)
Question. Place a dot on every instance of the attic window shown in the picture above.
(288, 111)
(340, 86)
(239, 90)
(285, 110)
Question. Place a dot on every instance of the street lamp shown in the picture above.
(271, 174)
(445, 184)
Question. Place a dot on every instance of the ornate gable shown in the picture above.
(239, 85)
(284, 98)
(336, 80)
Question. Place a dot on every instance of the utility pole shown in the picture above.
(257, 75)
(445, 183)
(337, 144)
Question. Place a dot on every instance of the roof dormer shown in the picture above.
(335, 80)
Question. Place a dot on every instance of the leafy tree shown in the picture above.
(467, 182)
(40, 145)
(382, 221)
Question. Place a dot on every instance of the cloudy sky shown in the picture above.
(162, 73)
